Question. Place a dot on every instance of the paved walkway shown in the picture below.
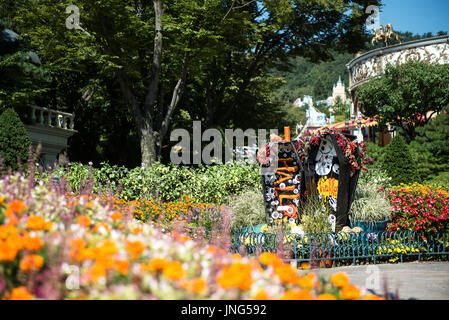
(414, 280)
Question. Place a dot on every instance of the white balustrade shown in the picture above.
(52, 118)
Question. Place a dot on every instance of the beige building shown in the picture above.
(339, 91)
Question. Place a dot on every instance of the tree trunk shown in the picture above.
(147, 144)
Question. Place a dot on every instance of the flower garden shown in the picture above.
(58, 240)
(173, 232)
(59, 246)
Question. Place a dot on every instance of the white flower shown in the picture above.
(297, 230)
(139, 177)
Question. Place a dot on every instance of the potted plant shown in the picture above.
(370, 209)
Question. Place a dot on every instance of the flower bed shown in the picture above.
(419, 207)
(52, 247)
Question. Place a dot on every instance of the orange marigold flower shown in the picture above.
(83, 221)
(7, 253)
(326, 296)
(295, 294)
(15, 206)
(134, 248)
(20, 293)
(270, 259)
(96, 272)
(173, 270)
(306, 281)
(261, 295)
(122, 266)
(350, 292)
(237, 275)
(157, 264)
(196, 285)
(31, 262)
(116, 216)
(7, 230)
(35, 223)
(2, 201)
(339, 279)
(137, 230)
(286, 273)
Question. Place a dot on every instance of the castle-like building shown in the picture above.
(339, 91)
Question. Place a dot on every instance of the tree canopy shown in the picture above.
(406, 95)
(131, 70)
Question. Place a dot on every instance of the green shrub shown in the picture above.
(370, 204)
(247, 209)
(442, 179)
(398, 162)
(14, 140)
(209, 184)
(375, 151)
(431, 148)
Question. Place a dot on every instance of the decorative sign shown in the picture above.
(282, 189)
(328, 174)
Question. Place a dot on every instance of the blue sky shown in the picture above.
(416, 16)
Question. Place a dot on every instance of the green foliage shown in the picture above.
(21, 81)
(230, 46)
(376, 176)
(405, 95)
(209, 184)
(375, 151)
(247, 209)
(313, 219)
(441, 179)
(305, 77)
(431, 149)
(398, 162)
(14, 140)
(370, 204)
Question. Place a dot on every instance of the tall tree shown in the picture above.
(153, 48)
(406, 95)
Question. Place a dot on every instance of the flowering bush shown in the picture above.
(419, 207)
(55, 247)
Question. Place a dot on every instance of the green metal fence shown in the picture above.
(328, 248)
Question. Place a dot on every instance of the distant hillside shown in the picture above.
(306, 78)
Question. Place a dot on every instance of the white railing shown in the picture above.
(52, 118)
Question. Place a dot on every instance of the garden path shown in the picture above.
(414, 280)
